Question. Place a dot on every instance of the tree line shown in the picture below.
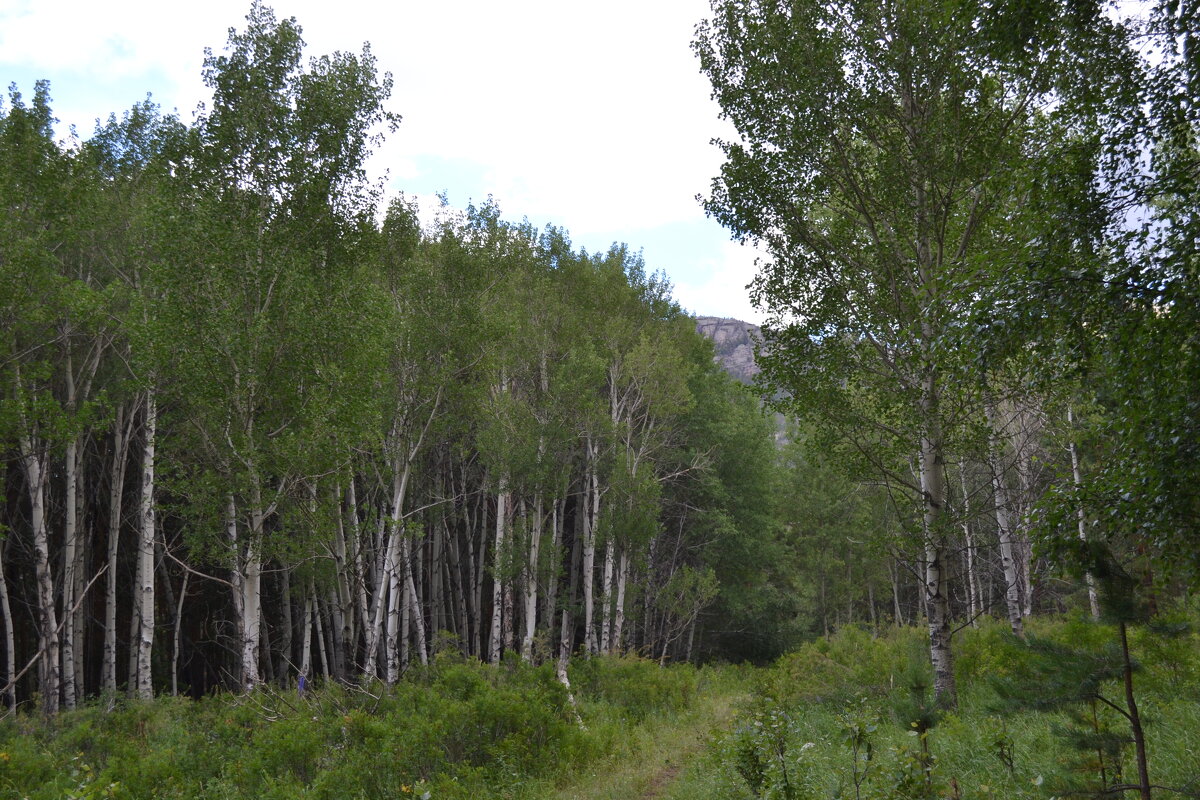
(256, 430)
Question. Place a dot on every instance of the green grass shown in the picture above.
(458, 729)
(850, 716)
(651, 758)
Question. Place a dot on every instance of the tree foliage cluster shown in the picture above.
(256, 428)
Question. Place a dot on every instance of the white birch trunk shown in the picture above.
(251, 615)
(306, 639)
(379, 602)
(49, 676)
(495, 638)
(591, 496)
(394, 606)
(146, 527)
(1080, 516)
(550, 600)
(969, 543)
(932, 469)
(393, 570)
(1012, 580)
(606, 594)
(619, 611)
(531, 581)
(10, 656)
(236, 576)
(71, 544)
(247, 583)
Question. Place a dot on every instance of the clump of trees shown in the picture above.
(980, 226)
(255, 429)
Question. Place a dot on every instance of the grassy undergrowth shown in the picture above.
(851, 716)
(457, 729)
(650, 757)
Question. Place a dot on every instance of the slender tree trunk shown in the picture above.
(374, 632)
(341, 600)
(415, 598)
(455, 584)
(71, 544)
(591, 494)
(531, 580)
(619, 612)
(1080, 516)
(10, 655)
(606, 611)
(360, 578)
(480, 569)
(508, 619)
(397, 604)
(146, 527)
(321, 643)
(394, 570)
(122, 428)
(567, 631)
(252, 602)
(178, 639)
(306, 641)
(286, 664)
(898, 612)
(437, 616)
(1012, 580)
(247, 581)
(496, 637)
(933, 467)
(550, 596)
(236, 575)
(871, 605)
(1135, 719)
(78, 607)
(969, 544)
(49, 676)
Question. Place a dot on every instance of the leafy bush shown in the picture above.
(637, 686)
(850, 716)
(456, 729)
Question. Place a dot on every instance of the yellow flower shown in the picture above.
(406, 789)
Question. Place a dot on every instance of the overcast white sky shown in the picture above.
(591, 116)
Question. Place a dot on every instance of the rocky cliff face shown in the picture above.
(734, 343)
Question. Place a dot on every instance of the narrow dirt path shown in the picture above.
(655, 754)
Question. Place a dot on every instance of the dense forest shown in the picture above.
(258, 427)
(262, 425)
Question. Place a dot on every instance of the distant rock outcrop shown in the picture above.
(734, 342)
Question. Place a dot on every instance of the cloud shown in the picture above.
(720, 291)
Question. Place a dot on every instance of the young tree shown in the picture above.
(879, 146)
